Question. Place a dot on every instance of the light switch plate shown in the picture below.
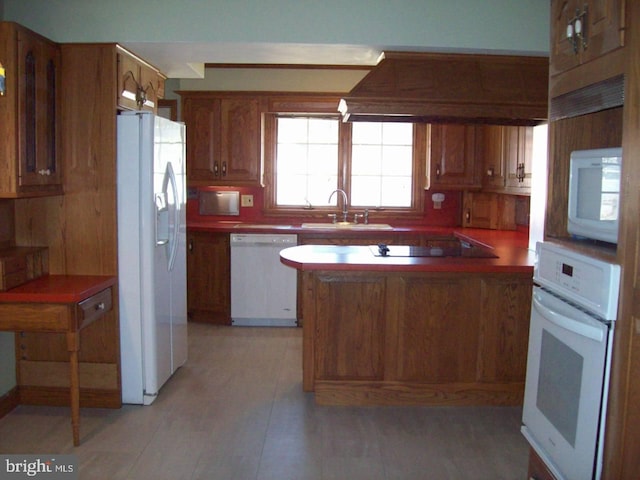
(246, 200)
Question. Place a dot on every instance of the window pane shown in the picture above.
(322, 130)
(306, 160)
(366, 160)
(396, 191)
(319, 189)
(292, 159)
(366, 191)
(397, 133)
(291, 131)
(291, 188)
(323, 159)
(381, 164)
(397, 160)
(367, 133)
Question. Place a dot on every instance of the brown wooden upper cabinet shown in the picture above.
(518, 150)
(452, 157)
(29, 165)
(494, 167)
(583, 30)
(506, 158)
(223, 139)
(140, 85)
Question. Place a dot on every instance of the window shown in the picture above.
(381, 164)
(306, 160)
(378, 164)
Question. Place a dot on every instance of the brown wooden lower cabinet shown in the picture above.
(415, 338)
(208, 277)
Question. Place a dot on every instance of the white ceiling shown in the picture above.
(186, 60)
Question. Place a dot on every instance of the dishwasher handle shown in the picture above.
(245, 240)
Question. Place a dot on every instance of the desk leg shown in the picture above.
(73, 345)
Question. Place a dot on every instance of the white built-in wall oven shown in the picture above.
(573, 312)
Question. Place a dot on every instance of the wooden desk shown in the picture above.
(59, 304)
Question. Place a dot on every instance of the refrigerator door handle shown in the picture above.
(162, 226)
(176, 216)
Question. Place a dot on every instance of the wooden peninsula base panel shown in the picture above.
(415, 338)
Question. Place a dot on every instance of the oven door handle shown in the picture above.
(575, 326)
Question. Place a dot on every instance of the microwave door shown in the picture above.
(594, 194)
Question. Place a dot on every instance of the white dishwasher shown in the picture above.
(263, 290)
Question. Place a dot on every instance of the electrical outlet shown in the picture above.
(246, 200)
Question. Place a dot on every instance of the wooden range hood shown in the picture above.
(451, 88)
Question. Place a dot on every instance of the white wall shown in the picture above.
(538, 200)
(494, 25)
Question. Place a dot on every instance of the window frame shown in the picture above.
(270, 136)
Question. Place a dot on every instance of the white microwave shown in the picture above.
(594, 194)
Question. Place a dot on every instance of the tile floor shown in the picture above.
(236, 411)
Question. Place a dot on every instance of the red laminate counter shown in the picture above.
(246, 227)
(58, 289)
(511, 249)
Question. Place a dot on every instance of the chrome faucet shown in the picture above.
(345, 202)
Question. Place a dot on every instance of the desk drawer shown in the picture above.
(94, 307)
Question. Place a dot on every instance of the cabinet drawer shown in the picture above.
(94, 307)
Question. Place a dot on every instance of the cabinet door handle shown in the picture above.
(467, 216)
(224, 169)
(438, 171)
(190, 247)
(215, 169)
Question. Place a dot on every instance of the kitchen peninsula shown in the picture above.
(415, 330)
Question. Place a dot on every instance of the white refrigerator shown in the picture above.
(152, 279)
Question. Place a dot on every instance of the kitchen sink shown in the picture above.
(348, 226)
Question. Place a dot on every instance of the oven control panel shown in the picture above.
(587, 281)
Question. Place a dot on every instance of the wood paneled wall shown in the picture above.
(597, 130)
(80, 227)
(622, 444)
(6, 223)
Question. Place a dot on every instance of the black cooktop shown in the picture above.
(452, 249)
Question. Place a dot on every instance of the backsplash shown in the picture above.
(446, 216)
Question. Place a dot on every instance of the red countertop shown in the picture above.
(58, 289)
(511, 249)
(230, 226)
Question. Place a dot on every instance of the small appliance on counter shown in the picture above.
(226, 202)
